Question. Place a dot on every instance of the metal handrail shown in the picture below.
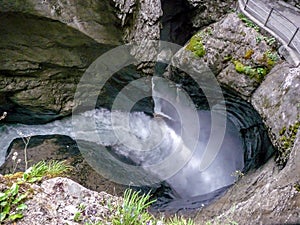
(275, 12)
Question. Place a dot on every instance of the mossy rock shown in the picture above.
(249, 53)
(254, 73)
(286, 142)
(196, 46)
(239, 67)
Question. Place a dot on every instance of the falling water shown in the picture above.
(155, 146)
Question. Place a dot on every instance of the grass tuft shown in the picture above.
(133, 211)
(46, 169)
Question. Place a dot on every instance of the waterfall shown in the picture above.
(168, 147)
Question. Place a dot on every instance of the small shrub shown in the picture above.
(259, 39)
(269, 40)
(272, 55)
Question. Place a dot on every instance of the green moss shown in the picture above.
(286, 142)
(257, 73)
(297, 187)
(196, 46)
(249, 53)
(269, 59)
(227, 58)
(254, 73)
(239, 67)
(248, 22)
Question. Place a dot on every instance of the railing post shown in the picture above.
(268, 17)
(294, 35)
(246, 4)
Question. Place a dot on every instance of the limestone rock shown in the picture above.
(59, 199)
(277, 100)
(230, 41)
(208, 12)
(141, 22)
(94, 18)
(269, 195)
(41, 62)
(266, 196)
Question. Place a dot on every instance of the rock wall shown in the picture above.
(47, 45)
(94, 18)
(41, 62)
(270, 194)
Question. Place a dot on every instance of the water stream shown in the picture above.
(160, 148)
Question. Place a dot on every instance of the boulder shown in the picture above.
(63, 201)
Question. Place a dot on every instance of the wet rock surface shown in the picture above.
(269, 194)
(60, 148)
(95, 19)
(265, 196)
(42, 59)
(41, 62)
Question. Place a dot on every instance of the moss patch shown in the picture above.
(286, 143)
(249, 53)
(196, 46)
(258, 73)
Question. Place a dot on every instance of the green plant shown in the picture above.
(77, 217)
(287, 137)
(257, 73)
(180, 221)
(133, 211)
(259, 39)
(248, 22)
(239, 67)
(196, 46)
(297, 187)
(44, 169)
(270, 41)
(272, 55)
(209, 31)
(227, 58)
(261, 71)
(11, 204)
(11, 200)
